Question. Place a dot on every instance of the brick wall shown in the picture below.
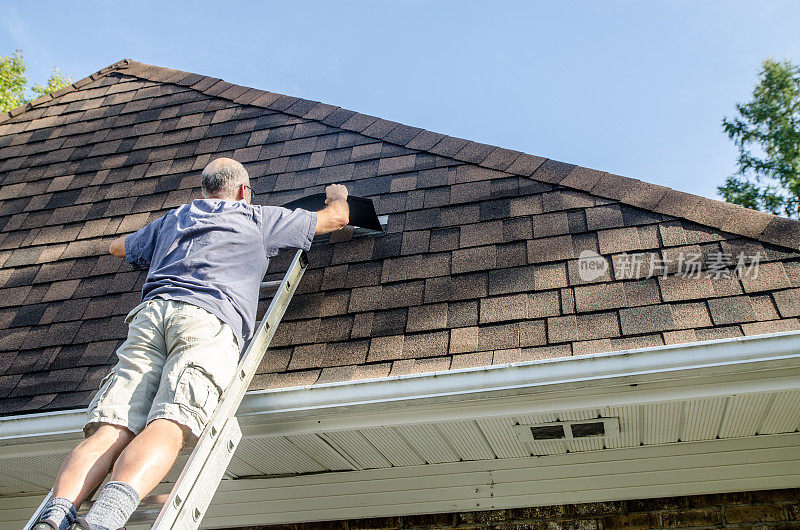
(756, 509)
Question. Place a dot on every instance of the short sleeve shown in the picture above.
(140, 245)
(287, 228)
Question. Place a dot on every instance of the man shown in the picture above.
(206, 261)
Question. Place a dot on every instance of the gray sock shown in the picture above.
(115, 504)
(59, 511)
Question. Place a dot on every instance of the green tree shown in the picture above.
(14, 82)
(767, 133)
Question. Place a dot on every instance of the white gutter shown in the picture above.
(757, 363)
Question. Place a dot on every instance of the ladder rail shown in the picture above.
(35, 518)
(187, 496)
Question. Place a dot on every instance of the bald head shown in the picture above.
(222, 178)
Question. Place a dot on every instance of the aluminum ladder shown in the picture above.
(188, 501)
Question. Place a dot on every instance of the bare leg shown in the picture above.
(89, 463)
(150, 456)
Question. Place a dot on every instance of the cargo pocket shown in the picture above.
(105, 384)
(197, 391)
(130, 316)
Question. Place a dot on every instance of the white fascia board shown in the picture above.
(750, 364)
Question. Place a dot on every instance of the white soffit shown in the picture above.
(690, 468)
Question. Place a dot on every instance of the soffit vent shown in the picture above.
(569, 430)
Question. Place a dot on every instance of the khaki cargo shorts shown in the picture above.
(175, 364)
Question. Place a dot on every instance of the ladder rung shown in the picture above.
(274, 284)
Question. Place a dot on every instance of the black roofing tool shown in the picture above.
(362, 211)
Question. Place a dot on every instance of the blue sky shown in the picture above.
(635, 88)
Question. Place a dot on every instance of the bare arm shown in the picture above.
(117, 247)
(337, 212)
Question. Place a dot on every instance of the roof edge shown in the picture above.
(16, 111)
(721, 215)
(701, 369)
(714, 213)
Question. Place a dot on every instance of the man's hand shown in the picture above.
(117, 247)
(335, 191)
(337, 212)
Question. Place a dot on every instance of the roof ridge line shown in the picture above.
(80, 83)
(713, 213)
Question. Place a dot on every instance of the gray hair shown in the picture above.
(222, 176)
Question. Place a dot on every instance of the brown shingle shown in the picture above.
(530, 205)
(598, 325)
(550, 276)
(464, 339)
(499, 308)
(481, 233)
(562, 329)
(641, 292)
(474, 259)
(763, 307)
(285, 379)
(525, 165)
(420, 366)
(362, 325)
(498, 336)
(426, 317)
(403, 294)
(426, 344)
(605, 216)
(618, 240)
(641, 341)
(685, 287)
(550, 249)
(471, 360)
(543, 352)
(500, 159)
(366, 298)
(457, 287)
(552, 171)
(330, 354)
(512, 254)
(646, 319)
(386, 347)
(644, 194)
(446, 239)
(672, 233)
(417, 266)
(599, 296)
(690, 315)
(532, 333)
(764, 277)
(788, 302)
(330, 329)
(334, 303)
(464, 313)
(731, 310)
(588, 347)
(680, 336)
(771, 326)
(511, 280)
(550, 224)
(543, 304)
(721, 332)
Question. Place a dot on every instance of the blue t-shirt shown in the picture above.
(213, 253)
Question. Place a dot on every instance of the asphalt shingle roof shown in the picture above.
(478, 266)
